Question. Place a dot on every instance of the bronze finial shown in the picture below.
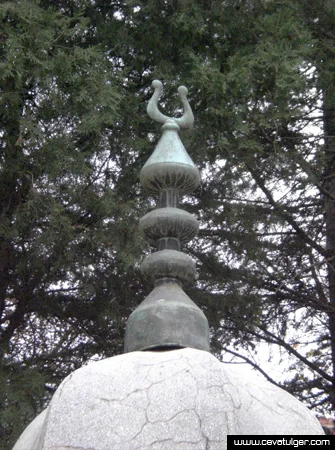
(168, 318)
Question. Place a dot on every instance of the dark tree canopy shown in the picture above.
(75, 78)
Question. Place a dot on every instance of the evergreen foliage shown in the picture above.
(74, 80)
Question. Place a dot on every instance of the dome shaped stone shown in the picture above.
(172, 400)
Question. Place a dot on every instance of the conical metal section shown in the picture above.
(170, 166)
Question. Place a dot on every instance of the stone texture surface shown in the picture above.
(182, 399)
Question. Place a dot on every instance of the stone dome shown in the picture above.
(181, 399)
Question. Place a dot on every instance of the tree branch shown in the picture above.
(254, 365)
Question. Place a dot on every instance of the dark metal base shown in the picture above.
(167, 318)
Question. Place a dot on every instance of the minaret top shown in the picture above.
(168, 318)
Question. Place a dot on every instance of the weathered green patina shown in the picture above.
(168, 318)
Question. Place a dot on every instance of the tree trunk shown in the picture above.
(329, 131)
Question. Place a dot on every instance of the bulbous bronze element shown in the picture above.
(167, 318)
(169, 264)
(168, 222)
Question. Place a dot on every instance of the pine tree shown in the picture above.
(74, 81)
(67, 235)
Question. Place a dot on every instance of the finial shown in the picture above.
(168, 318)
(186, 121)
(170, 166)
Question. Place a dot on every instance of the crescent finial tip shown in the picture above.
(156, 84)
(185, 121)
(183, 90)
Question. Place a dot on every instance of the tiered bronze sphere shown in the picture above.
(168, 318)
